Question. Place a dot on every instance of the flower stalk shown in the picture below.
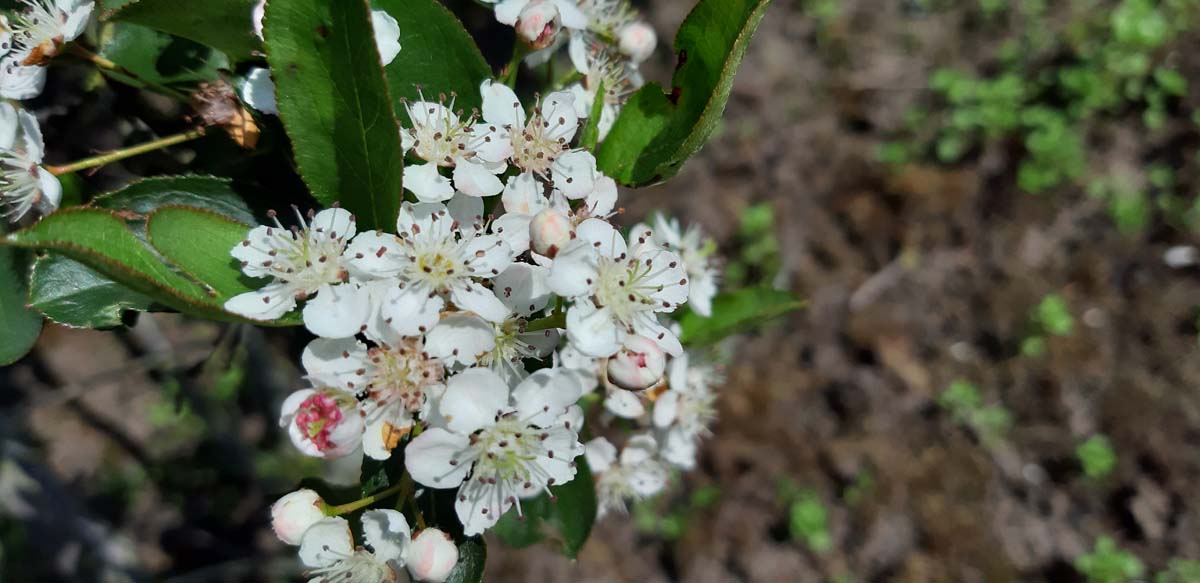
(123, 153)
(349, 507)
(120, 71)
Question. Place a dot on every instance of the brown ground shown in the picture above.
(915, 276)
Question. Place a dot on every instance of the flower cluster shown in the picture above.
(28, 40)
(445, 337)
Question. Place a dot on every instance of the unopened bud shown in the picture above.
(431, 556)
(294, 513)
(549, 231)
(637, 40)
(539, 23)
(639, 364)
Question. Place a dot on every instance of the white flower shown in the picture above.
(618, 290)
(294, 513)
(541, 141)
(24, 184)
(606, 17)
(433, 258)
(35, 36)
(258, 91)
(302, 262)
(468, 340)
(475, 152)
(636, 475)
(432, 556)
(328, 549)
(684, 412)
(638, 365)
(524, 201)
(600, 68)
(322, 422)
(499, 447)
(697, 253)
(391, 383)
(539, 21)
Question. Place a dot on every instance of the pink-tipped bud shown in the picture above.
(431, 556)
(549, 231)
(539, 23)
(322, 422)
(637, 40)
(639, 364)
(294, 513)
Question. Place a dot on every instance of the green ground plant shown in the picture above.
(965, 404)
(1097, 457)
(1108, 563)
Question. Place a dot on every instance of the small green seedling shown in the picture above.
(964, 403)
(1179, 571)
(808, 522)
(1107, 563)
(1097, 457)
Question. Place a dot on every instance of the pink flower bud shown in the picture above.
(431, 556)
(549, 231)
(322, 422)
(637, 40)
(294, 513)
(638, 365)
(539, 23)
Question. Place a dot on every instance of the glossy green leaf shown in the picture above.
(568, 517)
(335, 106)
(198, 243)
(161, 58)
(734, 312)
(19, 325)
(222, 24)
(206, 192)
(472, 557)
(73, 294)
(437, 54)
(657, 131)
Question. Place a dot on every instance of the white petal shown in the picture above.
(603, 198)
(31, 134)
(9, 125)
(574, 173)
(481, 300)
(473, 399)
(543, 342)
(51, 190)
(500, 104)
(558, 110)
(258, 91)
(507, 11)
(679, 449)
(593, 331)
(523, 194)
(387, 533)
(701, 291)
(333, 363)
(640, 448)
(488, 256)
(475, 179)
(523, 288)
(666, 408)
(19, 81)
(544, 396)
(427, 183)
(410, 312)
(337, 311)
(492, 144)
(513, 229)
(326, 542)
(577, 50)
(461, 339)
(572, 16)
(647, 325)
(334, 223)
(573, 273)
(387, 35)
(601, 454)
(427, 458)
(374, 254)
(382, 435)
(77, 19)
(624, 403)
(268, 303)
(603, 237)
(467, 210)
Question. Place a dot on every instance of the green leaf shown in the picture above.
(590, 136)
(438, 54)
(222, 24)
(472, 557)
(205, 192)
(161, 58)
(570, 515)
(173, 230)
(657, 131)
(19, 325)
(335, 106)
(73, 294)
(735, 311)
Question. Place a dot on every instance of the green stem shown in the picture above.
(369, 500)
(124, 153)
(112, 67)
(509, 76)
(556, 320)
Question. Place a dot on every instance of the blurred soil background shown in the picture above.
(995, 378)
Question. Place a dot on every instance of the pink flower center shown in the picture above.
(317, 417)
